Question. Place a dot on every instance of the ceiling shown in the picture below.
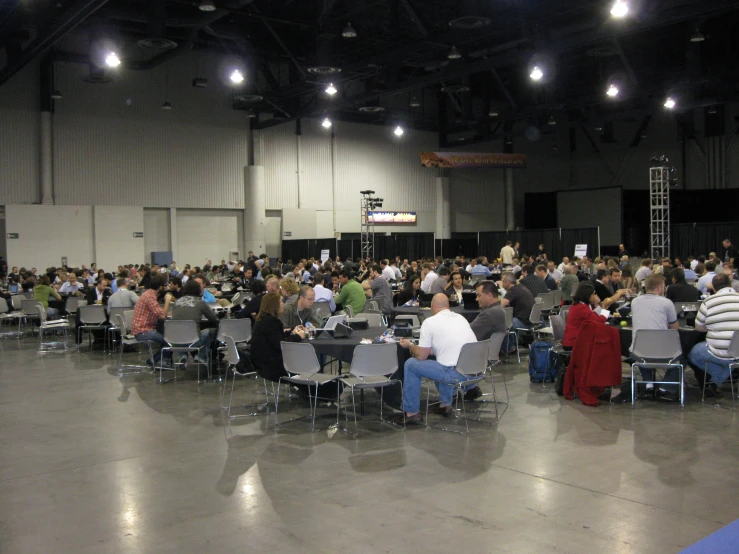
(398, 65)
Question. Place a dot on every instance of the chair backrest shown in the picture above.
(232, 353)
(373, 320)
(547, 300)
(28, 307)
(181, 331)
(539, 300)
(563, 313)
(128, 316)
(238, 329)
(41, 312)
(496, 343)
(535, 317)
(323, 308)
(734, 345)
(349, 310)
(473, 359)
(17, 301)
(371, 306)
(238, 298)
(558, 327)
(380, 303)
(3, 305)
(116, 311)
(374, 359)
(508, 311)
(120, 322)
(299, 357)
(557, 297)
(92, 315)
(653, 344)
(73, 302)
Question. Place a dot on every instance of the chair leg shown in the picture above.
(633, 387)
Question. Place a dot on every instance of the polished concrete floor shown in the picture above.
(90, 462)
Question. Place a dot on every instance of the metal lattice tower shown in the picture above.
(368, 226)
(659, 211)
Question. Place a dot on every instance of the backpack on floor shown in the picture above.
(542, 363)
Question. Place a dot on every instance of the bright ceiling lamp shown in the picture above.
(620, 9)
(237, 77)
(207, 6)
(670, 103)
(536, 73)
(612, 91)
(454, 54)
(112, 60)
(326, 123)
(331, 89)
(349, 31)
(398, 131)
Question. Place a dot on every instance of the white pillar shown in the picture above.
(255, 229)
(47, 175)
(509, 204)
(443, 209)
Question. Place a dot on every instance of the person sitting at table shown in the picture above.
(428, 276)
(532, 281)
(542, 272)
(569, 280)
(443, 335)
(322, 293)
(351, 292)
(480, 270)
(409, 295)
(491, 318)
(456, 287)
(719, 316)
(100, 293)
(653, 311)
(42, 292)
(707, 276)
(607, 298)
(301, 312)
(289, 290)
(72, 286)
(679, 290)
(123, 297)
(192, 307)
(146, 314)
(644, 271)
(440, 284)
(380, 287)
(521, 300)
(259, 289)
(585, 304)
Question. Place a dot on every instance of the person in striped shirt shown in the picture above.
(719, 315)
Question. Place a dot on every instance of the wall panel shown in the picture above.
(157, 235)
(279, 155)
(208, 235)
(114, 241)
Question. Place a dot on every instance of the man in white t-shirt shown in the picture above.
(428, 276)
(442, 335)
(507, 253)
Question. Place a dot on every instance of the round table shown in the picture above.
(689, 337)
(469, 315)
(343, 349)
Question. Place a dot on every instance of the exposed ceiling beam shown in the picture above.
(626, 63)
(414, 17)
(283, 46)
(50, 34)
(503, 89)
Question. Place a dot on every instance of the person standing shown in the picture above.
(507, 253)
(728, 252)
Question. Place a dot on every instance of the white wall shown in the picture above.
(47, 233)
(115, 243)
(157, 236)
(208, 235)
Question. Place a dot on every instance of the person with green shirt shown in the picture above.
(41, 292)
(351, 293)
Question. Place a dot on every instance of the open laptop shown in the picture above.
(13, 288)
(470, 300)
(335, 328)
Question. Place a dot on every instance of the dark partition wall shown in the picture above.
(695, 239)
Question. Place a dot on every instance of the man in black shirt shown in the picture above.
(728, 252)
(603, 277)
(491, 318)
(622, 251)
(533, 282)
(679, 290)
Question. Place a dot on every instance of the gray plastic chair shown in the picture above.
(349, 311)
(371, 368)
(534, 318)
(496, 343)
(323, 308)
(415, 321)
(238, 329)
(656, 349)
(29, 311)
(11, 317)
(92, 318)
(44, 325)
(511, 332)
(733, 351)
(180, 336)
(558, 328)
(113, 329)
(303, 368)
(123, 323)
(472, 362)
(71, 305)
(563, 313)
(373, 319)
(233, 358)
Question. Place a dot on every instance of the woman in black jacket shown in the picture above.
(268, 333)
(411, 291)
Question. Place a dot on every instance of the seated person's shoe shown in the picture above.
(667, 396)
(445, 411)
(472, 394)
(409, 420)
(712, 391)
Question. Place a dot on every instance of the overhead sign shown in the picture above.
(464, 159)
(581, 250)
(392, 218)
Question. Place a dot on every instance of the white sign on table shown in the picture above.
(325, 254)
(581, 250)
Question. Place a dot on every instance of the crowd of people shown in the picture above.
(282, 301)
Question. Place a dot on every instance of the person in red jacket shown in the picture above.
(584, 302)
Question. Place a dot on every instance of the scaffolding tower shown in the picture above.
(659, 210)
(368, 224)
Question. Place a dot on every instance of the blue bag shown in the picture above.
(542, 363)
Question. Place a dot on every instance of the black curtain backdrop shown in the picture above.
(695, 239)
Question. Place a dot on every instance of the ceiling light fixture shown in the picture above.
(331, 89)
(166, 105)
(112, 60)
(697, 36)
(326, 123)
(454, 54)
(493, 113)
(536, 73)
(620, 9)
(612, 91)
(56, 95)
(237, 77)
(349, 31)
(414, 103)
(207, 6)
(398, 131)
(670, 103)
(552, 121)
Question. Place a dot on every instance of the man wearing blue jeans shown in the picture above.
(442, 335)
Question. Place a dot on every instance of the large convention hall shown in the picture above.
(368, 276)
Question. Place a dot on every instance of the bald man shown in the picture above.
(443, 335)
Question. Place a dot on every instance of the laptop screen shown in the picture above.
(333, 321)
(13, 288)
